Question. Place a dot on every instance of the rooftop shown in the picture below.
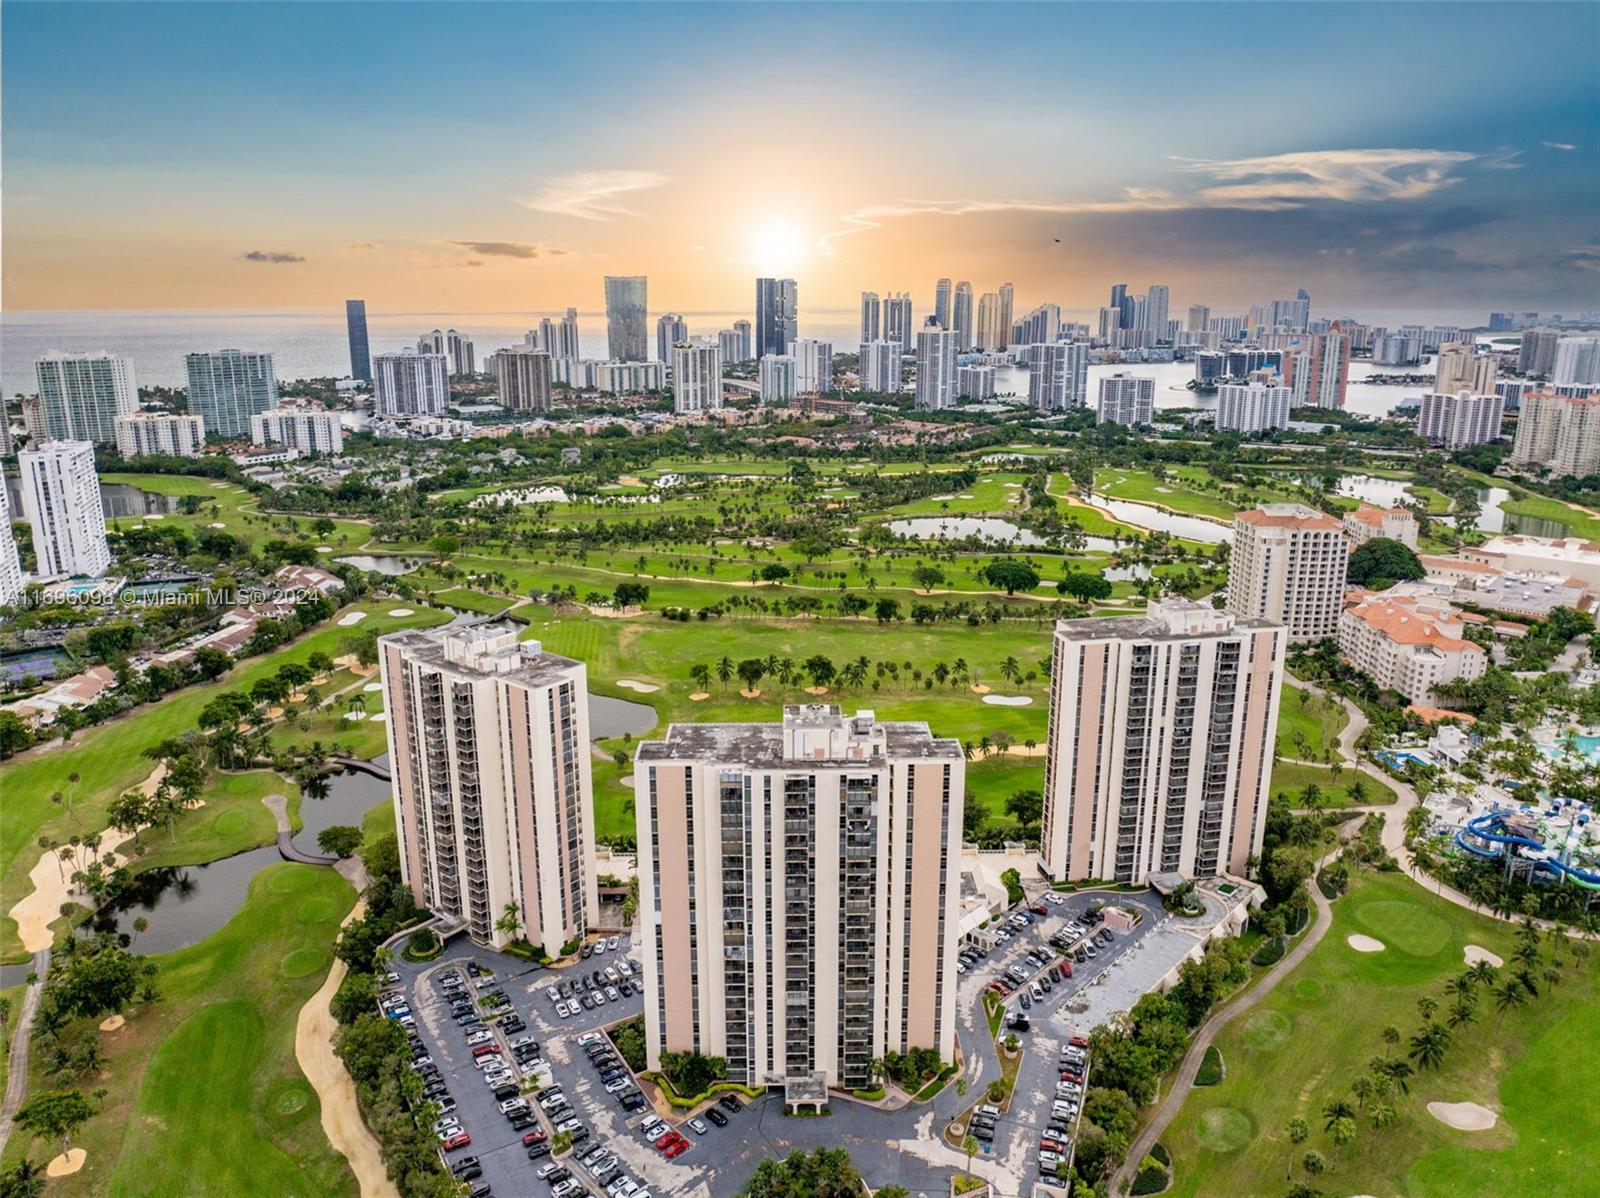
(1165, 619)
(1288, 515)
(486, 649)
(1369, 514)
(812, 734)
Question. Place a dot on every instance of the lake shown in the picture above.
(117, 500)
(1143, 515)
(389, 564)
(959, 528)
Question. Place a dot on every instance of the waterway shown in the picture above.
(959, 528)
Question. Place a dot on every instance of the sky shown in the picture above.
(507, 156)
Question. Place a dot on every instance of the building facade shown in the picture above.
(1254, 407)
(799, 893)
(813, 365)
(1409, 643)
(1159, 749)
(1317, 367)
(61, 499)
(1558, 432)
(627, 298)
(975, 382)
(228, 387)
(961, 316)
(776, 378)
(1460, 419)
(148, 434)
(489, 747)
(671, 329)
(1127, 399)
(1367, 523)
(1460, 368)
(82, 395)
(879, 363)
(524, 378)
(310, 430)
(10, 559)
(355, 323)
(410, 384)
(871, 317)
(696, 377)
(936, 369)
(777, 315)
(1058, 377)
(1287, 565)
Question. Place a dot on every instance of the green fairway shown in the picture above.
(232, 820)
(109, 758)
(1309, 725)
(237, 511)
(207, 1098)
(1315, 1033)
(993, 780)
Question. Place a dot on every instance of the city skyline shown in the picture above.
(1424, 189)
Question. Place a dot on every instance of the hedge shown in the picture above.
(1269, 952)
(1210, 1071)
(1152, 1179)
(678, 1100)
(1161, 1154)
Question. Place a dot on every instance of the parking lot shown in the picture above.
(889, 1146)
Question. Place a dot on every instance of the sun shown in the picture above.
(777, 246)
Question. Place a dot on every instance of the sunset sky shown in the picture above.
(504, 157)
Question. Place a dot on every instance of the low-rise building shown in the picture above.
(310, 430)
(1390, 523)
(147, 434)
(1409, 643)
(1572, 556)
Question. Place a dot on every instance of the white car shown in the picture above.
(495, 1080)
(625, 969)
(698, 1126)
(478, 1038)
(618, 1086)
(562, 1010)
(613, 943)
(552, 993)
(611, 974)
(599, 947)
(590, 1038)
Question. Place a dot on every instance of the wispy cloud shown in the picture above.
(1583, 257)
(1269, 183)
(1558, 145)
(363, 246)
(512, 249)
(592, 195)
(273, 256)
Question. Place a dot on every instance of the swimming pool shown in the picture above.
(1588, 748)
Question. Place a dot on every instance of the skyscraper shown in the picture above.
(1577, 360)
(228, 387)
(1287, 565)
(1127, 399)
(523, 375)
(777, 315)
(871, 317)
(432, 343)
(936, 369)
(696, 377)
(463, 356)
(355, 321)
(670, 330)
(961, 316)
(880, 367)
(747, 342)
(1537, 353)
(897, 319)
(813, 365)
(799, 893)
(1199, 318)
(1317, 367)
(310, 430)
(1253, 407)
(1124, 303)
(941, 304)
(776, 378)
(1110, 323)
(489, 744)
(81, 395)
(410, 384)
(1460, 368)
(626, 340)
(61, 498)
(10, 561)
(1058, 378)
(988, 333)
(1158, 751)
(559, 339)
(1008, 303)
(1156, 300)
(1457, 421)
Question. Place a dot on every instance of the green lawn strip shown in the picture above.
(1580, 521)
(1319, 722)
(994, 779)
(1140, 486)
(613, 801)
(1311, 1037)
(1290, 778)
(109, 757)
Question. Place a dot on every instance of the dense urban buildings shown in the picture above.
(489, 748)
(228, 387)
(799, 893)
(696, 377)
(1127, 399)
(1460, 367)
(975, 382)
(1287, 565)
(670, 330)
(355, 320)
(813, 365)
(626, 300)
(147, 434)
(61, 499)
(559, 339)
(775, 378)
(1577, 361)
(1257, 406)
(777, 316)
(1409, 642)
(312, 431)
(410, 384)
(523, 377)
(1160, 741)
(936, 369)
(1461, 419)
(961, 316)
(1058, 375)
(1558, 432)
(1317, 367)
(82, 395)
(10, 560)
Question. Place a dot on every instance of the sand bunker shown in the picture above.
(1463, 1116)
(401, 611)
(816, 690)
(1008, 700)
(351, 617)
(1366, 944)
(111, 1023)
(699, 697)
(643, 688)
(755, 694)
(324, 548)
(373, 686)
(67, 1163)
(1476, 952)
(380, 718)
(355, 715)
(979, 688)
(218, 524)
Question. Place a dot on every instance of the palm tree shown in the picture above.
(1383, 1114)
(510, 921)
(1362, 1088)
(1298, 1130)
(1428, 1045)
(700, 675)
(1335, 1109)
(1483, 973)
(1508, 994)
(1463, 1011)
(724, 670)
(1426, 1007)
(1391, 1037)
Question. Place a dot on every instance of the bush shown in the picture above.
(629, 1040)
(1152, 1179)
(1269, 952)
(1161, 1154)
(424, 945)
(1210, 1071)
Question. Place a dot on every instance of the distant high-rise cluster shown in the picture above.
(82, 395)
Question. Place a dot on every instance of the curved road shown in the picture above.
(17, 1061)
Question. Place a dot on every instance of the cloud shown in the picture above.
(512, 249)
(1270, 183)
(363, 246)
(274, 256)
(592, 195)
(1558, 145)
(469, 262)
(1583, 257)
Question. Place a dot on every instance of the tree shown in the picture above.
(56, 1115)
(1428, 1045)
(927, 577)
(510, 921)
(1298, 1130)
(341, 840)
(630, 594)
(1084, 587)
(1011, 574)
(1027, 806)
(775, 572)
(751, 671)
(724, 670)
(1380, 563)
(357, 995)
(700, 675)
(887, 611)
(1314, 1163)
(25, 1179)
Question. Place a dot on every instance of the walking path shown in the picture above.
(279, 806)
(17, 1060)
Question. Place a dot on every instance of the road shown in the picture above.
(17, 1061)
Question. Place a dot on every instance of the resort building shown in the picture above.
(1159, 750)
(489, 745)
(1391, 523)
(1287, 565)
(799, 893)
(1409, 642)
(149, 434)
(1571, 556)
(61, 498)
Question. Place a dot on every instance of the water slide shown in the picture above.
(1491, 830)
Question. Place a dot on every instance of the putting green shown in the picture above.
(303, 961)
(290, 882)
(229, 823)
(1308, 988)
(1405, 926)
(285, 1098)
(1266, 1030)
(1224, 1129)
(315, 910)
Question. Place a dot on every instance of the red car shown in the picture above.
(484, 1050)
(665, 1139)
(677, 1149)
(1079, 1042)
(460, 1140)
(1039, 909)
(533, 1137)
(1066, 972)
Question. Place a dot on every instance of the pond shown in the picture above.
(959, 528)
(1143, 515)
(390, 564)
(612, 717)
(1492, 517)
(1380, 492)
(1131, 573)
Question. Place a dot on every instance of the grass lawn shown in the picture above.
(237, 511)
(1312, 1036)
(994, 779)
(1291, 778)
(204, 1094)
(1318, 722)
(232, 820)
(1579, 520)
(108, 758)
(613, 801)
